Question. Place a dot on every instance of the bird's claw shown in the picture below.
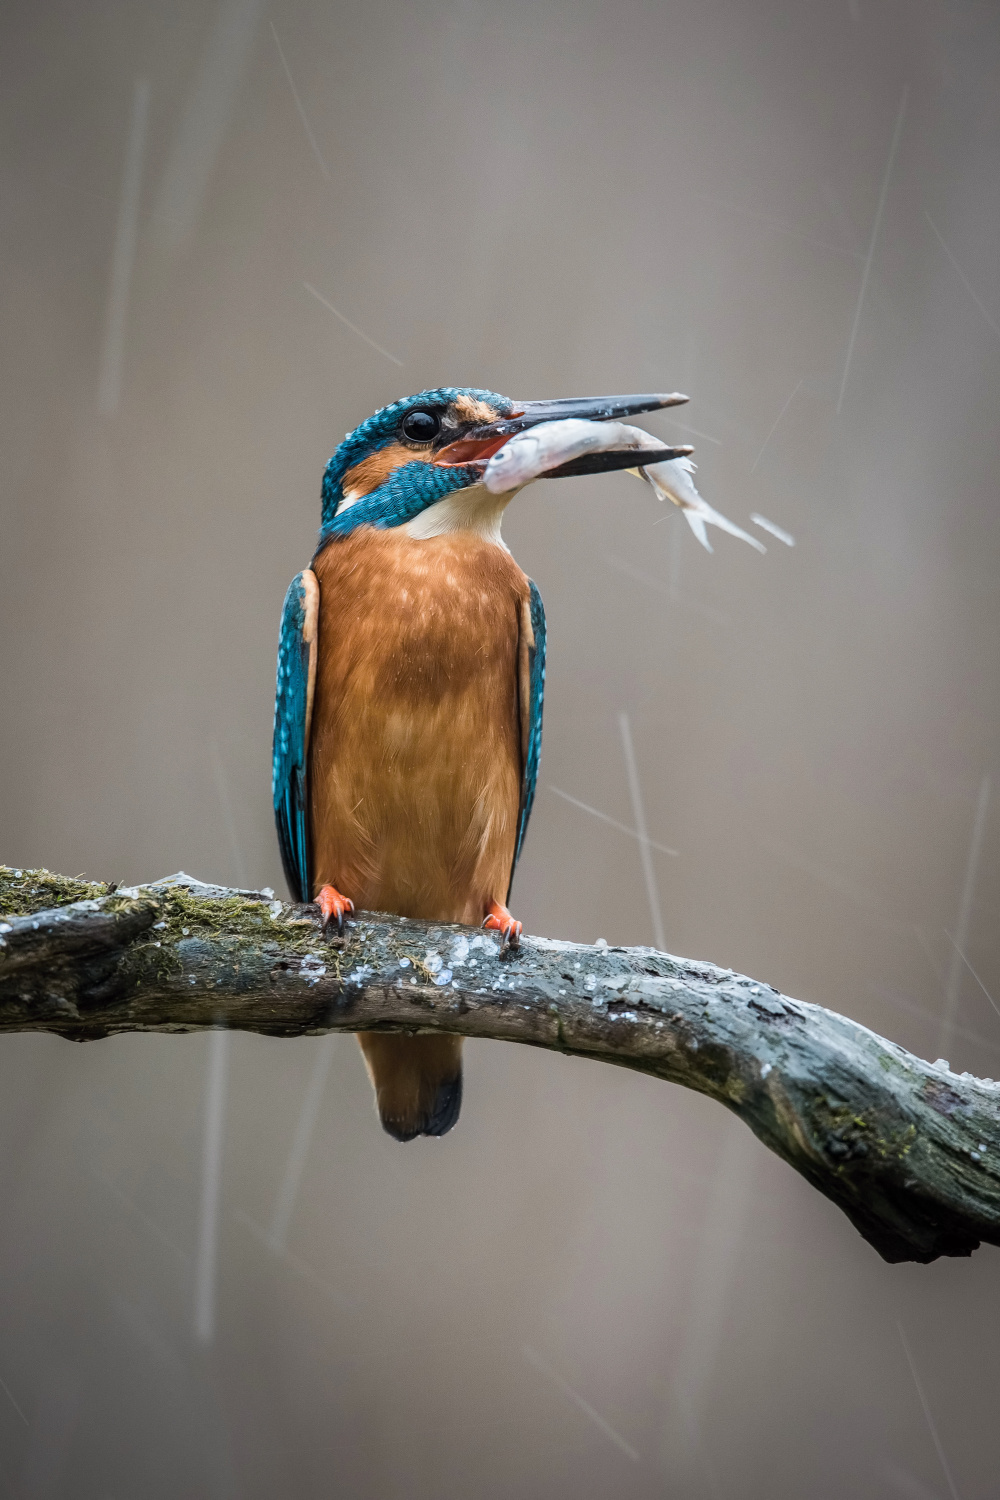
(333, 907)
(499, 919)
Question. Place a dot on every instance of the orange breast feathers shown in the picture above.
(416, 743)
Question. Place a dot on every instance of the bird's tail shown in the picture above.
(417, 1081)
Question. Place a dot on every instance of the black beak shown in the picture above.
(480, 443)
(589, 408)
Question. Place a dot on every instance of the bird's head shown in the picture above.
(454, 458)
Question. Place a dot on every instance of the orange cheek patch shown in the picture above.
(376, 468)
(468, 409)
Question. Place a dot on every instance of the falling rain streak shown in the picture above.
(224, 789)
(700, 1350)
(931, 1424)
(207, 1259)
(7, 1392)
(299, 106)
(880, 209)
(987, 315)
(123, 258)
(340, 1297)
(672, 587)
(772, 430)
(639, 818)
(612, 822)
(972, 971)
(537, 1362)
(284, 1205)
(960, 940)
(204, 123)
(352, 326)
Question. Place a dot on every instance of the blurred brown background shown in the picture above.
(219, 1278)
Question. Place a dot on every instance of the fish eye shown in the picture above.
(421, 426)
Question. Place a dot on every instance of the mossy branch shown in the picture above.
(909, 1150)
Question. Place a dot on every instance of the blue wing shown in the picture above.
(292, 714)
(532, 693)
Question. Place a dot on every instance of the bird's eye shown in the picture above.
(421, 426)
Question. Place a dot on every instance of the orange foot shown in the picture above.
(333, 906)
(499, 919)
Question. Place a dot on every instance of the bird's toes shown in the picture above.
(499, 919)
(333, 907)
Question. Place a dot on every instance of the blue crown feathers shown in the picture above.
(412, 487)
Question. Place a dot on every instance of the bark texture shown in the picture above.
(907, 1149)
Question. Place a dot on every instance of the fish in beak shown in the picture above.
(610, 445)
(586, 435)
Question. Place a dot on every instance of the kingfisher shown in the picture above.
(411, 677)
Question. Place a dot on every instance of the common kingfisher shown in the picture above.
(411, 673)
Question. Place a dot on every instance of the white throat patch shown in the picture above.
(470, 509)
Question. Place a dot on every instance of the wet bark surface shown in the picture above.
(907, 1149)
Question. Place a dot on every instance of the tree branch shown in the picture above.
(908, 1150)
